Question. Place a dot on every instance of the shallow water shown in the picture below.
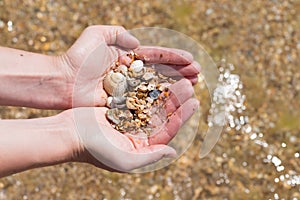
(260, 38)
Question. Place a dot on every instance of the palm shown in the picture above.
(104, 143)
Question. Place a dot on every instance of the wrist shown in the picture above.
(66, 75)
(66, 123)
(33, 80)
(67, 143)
(31, 143)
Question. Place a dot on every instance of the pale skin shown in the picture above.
(70, 81)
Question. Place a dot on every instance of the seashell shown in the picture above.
(151, 86)
(149, 99)
(113, 115)
(115, 84)
(133, 82)
(109, 102)
(131, 103)
(122, 69)
(126, 114)
(142, 116)
(148, 76)
(142, 88)
(116, 102)
(137, 68)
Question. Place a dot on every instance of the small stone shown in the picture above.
(154, 94)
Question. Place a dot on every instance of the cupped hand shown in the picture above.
(94, 53)
(105, 147)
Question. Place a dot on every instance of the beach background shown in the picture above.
(260, 38)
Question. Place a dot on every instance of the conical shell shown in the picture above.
(137, 68)
(115, 84)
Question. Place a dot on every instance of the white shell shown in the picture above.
(137, 68)
(122, 69)
(109, 102)
(148, 76)
(115, 83)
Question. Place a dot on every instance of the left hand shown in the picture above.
(92, 55)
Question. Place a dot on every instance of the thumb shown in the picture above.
(151, 154)
(118, 35)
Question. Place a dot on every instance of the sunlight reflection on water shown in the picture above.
(228, 97)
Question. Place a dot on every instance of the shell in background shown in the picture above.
(115, 84)
(137, 68)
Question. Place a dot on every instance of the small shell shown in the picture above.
(137, 68)
(109, 102)
(126, 114)
(116, 102)
(133, 82)
(142, 88)
(151, 86)
(131, 104)
(115, 84)
(122, 69)
(149, 99)
(113, 115)
(148, 76)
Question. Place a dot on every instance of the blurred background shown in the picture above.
(260, 38)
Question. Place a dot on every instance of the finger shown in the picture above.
(175, 121)
(178, 95)
(118, 35)
(152, 54)
(192, 79)
(179, 70)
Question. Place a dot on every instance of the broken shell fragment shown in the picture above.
(131, 104)
(112, 115)
(148, 76)
(115, 83)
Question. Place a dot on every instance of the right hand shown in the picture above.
(103, 146)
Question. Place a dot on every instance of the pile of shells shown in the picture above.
(137, 93)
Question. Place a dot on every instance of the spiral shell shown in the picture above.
(115, 83)
(137, 68)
